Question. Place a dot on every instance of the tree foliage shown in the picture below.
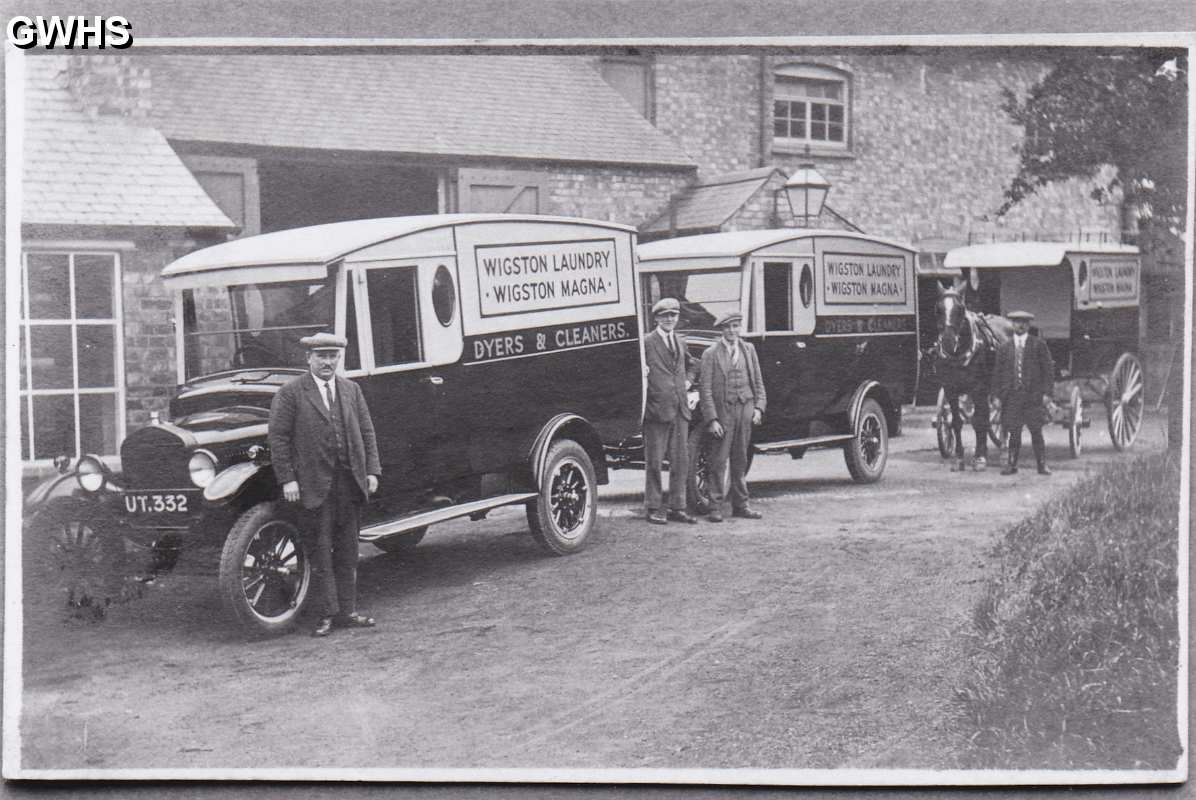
(1125, 108)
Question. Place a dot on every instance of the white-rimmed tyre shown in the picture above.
(265, 574)
(868, 449)
(562, 517)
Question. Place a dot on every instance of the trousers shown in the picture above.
(671, 439)
(733, 447)
(332, 543)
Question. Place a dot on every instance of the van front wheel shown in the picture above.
(563, 514)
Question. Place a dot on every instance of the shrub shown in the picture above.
(1073, 661)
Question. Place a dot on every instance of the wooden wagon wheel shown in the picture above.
(942, 424)
(1124, 401)
(1076, 425)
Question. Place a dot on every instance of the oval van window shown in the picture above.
(1083, 277)
(444, 295)
(805, 286)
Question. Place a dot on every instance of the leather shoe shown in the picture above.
(746, 513)
(354, 621)
(1009, 471)
(657, 518)
(681, 516)
(1043, 469)
(715, 517)
(323, 627)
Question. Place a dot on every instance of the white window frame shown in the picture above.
(793, 144)
(71, 249)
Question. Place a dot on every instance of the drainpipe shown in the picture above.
(765, 137)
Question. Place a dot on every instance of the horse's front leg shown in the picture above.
(980, 427)
(957, 428)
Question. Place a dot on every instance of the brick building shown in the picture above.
(118, 148)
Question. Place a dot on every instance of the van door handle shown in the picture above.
(800, 345)
(435, 380)
(860, 348)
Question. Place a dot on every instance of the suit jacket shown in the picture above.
(1038, 370)
(303, 442)
(667, 375)
(712, 384)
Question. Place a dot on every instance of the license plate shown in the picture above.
(139, 503)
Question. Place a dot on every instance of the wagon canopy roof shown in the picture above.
(302, 253)
(1026, 254)
(739, 243)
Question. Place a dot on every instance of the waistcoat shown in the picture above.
(338, 429)
(738, 388)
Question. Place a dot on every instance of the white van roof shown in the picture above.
(1026, 254)
(318, 245)
(739, 243)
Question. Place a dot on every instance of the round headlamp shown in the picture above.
(91, 473)
(202, 467)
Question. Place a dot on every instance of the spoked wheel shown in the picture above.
(87, 555)
(562, 517)
(868, 450)
(996, 428)
(1075, 426)
(1124, 401)
(265, 573)
(942, 424)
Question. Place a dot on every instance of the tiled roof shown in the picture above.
(541, 107)
(107, 171)
(709, 204)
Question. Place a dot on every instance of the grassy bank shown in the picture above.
(1074, 655)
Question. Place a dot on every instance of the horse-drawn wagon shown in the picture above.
(1084, 298)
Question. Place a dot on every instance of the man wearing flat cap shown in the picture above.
(325, 457)
(1023, 380)
(671, 371)
(732, 397)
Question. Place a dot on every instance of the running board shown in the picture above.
(813, 441)
(404, 524)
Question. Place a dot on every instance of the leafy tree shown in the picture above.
(1121, 107)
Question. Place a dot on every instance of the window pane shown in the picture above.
(353, 350)
(93, 287)
(50, 347)
(834, 133)
(24, 361)
(97, 356)
(394, 317)
(24, 429)
(49, 286)
(818, 112)
(836, 114)
(704, 296)
(778, 294)
(54, 426)
(97, 423)
(818, 130)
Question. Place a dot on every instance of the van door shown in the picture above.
(786, 303)
(409, 329)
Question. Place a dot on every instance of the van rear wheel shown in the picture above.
(868, 449)
(563, 515)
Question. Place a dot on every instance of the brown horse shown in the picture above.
(964, 355)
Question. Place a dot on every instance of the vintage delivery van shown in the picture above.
(833, 317)
(499, 356)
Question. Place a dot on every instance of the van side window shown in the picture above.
(353, 350)
(394, 316)
(778, 297)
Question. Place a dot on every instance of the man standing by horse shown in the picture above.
(1024, 378)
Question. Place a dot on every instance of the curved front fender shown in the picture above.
(228, 483)
(61, 485)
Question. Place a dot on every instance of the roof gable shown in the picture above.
(709, 204)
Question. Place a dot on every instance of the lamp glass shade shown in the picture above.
(806, 190)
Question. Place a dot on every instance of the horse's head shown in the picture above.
(951, 315)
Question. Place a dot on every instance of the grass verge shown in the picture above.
(1073, 660)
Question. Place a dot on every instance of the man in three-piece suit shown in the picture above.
(733, 400)
(666, 414)
(1023, 380)
(325, 457)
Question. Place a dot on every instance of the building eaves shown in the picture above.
(709, 204)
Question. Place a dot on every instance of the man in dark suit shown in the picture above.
(733, 400)
(325, 457)
(666, 414)
(1023, 380)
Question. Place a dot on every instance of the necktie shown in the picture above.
(672, 345)
(735, 356)
(1017, 361)
(328, 395)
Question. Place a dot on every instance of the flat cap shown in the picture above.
(727, 318)
(323, 341)
(666, 305)
(1023, 316)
